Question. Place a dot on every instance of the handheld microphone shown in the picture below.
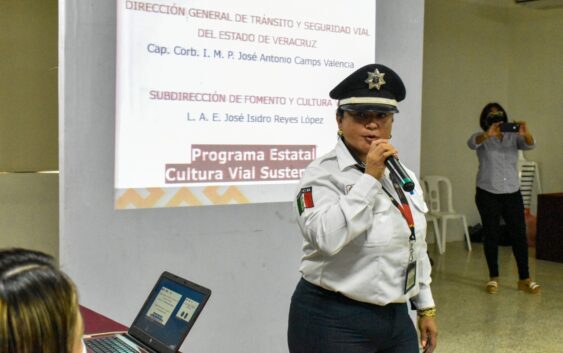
(395, 167)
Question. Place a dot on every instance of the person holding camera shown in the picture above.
(498, 190)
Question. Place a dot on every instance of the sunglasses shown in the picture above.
(368, 116)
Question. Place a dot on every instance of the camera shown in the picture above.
(509, 127)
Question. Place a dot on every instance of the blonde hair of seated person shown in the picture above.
(38, 305)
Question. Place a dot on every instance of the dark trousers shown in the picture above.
(511, 208)
(322, 321)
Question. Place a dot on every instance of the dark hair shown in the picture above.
(10, 258)
(485, 112)
(38, 304)
(340, 112)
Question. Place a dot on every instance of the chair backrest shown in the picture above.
(424, 192)
(529, 177)
(439, 193)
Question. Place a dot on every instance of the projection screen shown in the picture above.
(226, 102)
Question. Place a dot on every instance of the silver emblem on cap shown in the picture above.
(375, 79)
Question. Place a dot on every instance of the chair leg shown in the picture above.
(466, 231)
(444, 232)
(438, 236)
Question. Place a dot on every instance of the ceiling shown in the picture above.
(497, 3)
(512, 3)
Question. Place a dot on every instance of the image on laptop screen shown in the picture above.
(170, 311)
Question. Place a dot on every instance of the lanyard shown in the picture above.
(404, 207)
(405, 210)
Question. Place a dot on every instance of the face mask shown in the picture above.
(495, 117)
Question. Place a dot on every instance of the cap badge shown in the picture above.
(375, 79)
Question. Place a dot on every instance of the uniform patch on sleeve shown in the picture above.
(305, 199)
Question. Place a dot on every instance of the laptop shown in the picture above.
(163, 322)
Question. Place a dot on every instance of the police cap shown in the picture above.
(374, 87)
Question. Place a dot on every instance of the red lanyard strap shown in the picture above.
(404, 207)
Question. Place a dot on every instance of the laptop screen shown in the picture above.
(169, 312)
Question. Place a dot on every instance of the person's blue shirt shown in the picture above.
(498, 162)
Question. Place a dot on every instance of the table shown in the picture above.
(98, 323)
(549, 235)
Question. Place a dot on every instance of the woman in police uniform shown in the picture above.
(364, 237)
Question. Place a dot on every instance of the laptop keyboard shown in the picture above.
(109, 345)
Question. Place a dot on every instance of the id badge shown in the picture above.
(410, 279)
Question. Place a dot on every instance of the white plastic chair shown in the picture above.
(440, 188)
(529, 177)
(432, 219)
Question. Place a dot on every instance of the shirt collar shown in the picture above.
(343, 156)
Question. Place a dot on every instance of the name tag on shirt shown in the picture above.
(410, 279)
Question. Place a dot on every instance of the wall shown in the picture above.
(29, 212)
(248, 255)
(28, 125)
(474, 54)
(28, 93)
(535, 86)
(399, 45)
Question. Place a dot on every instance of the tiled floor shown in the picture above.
(472, 321)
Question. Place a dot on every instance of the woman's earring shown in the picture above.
(340, 132)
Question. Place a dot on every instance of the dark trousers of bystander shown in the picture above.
(511, 208)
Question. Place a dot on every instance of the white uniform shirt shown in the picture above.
(356, 242)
